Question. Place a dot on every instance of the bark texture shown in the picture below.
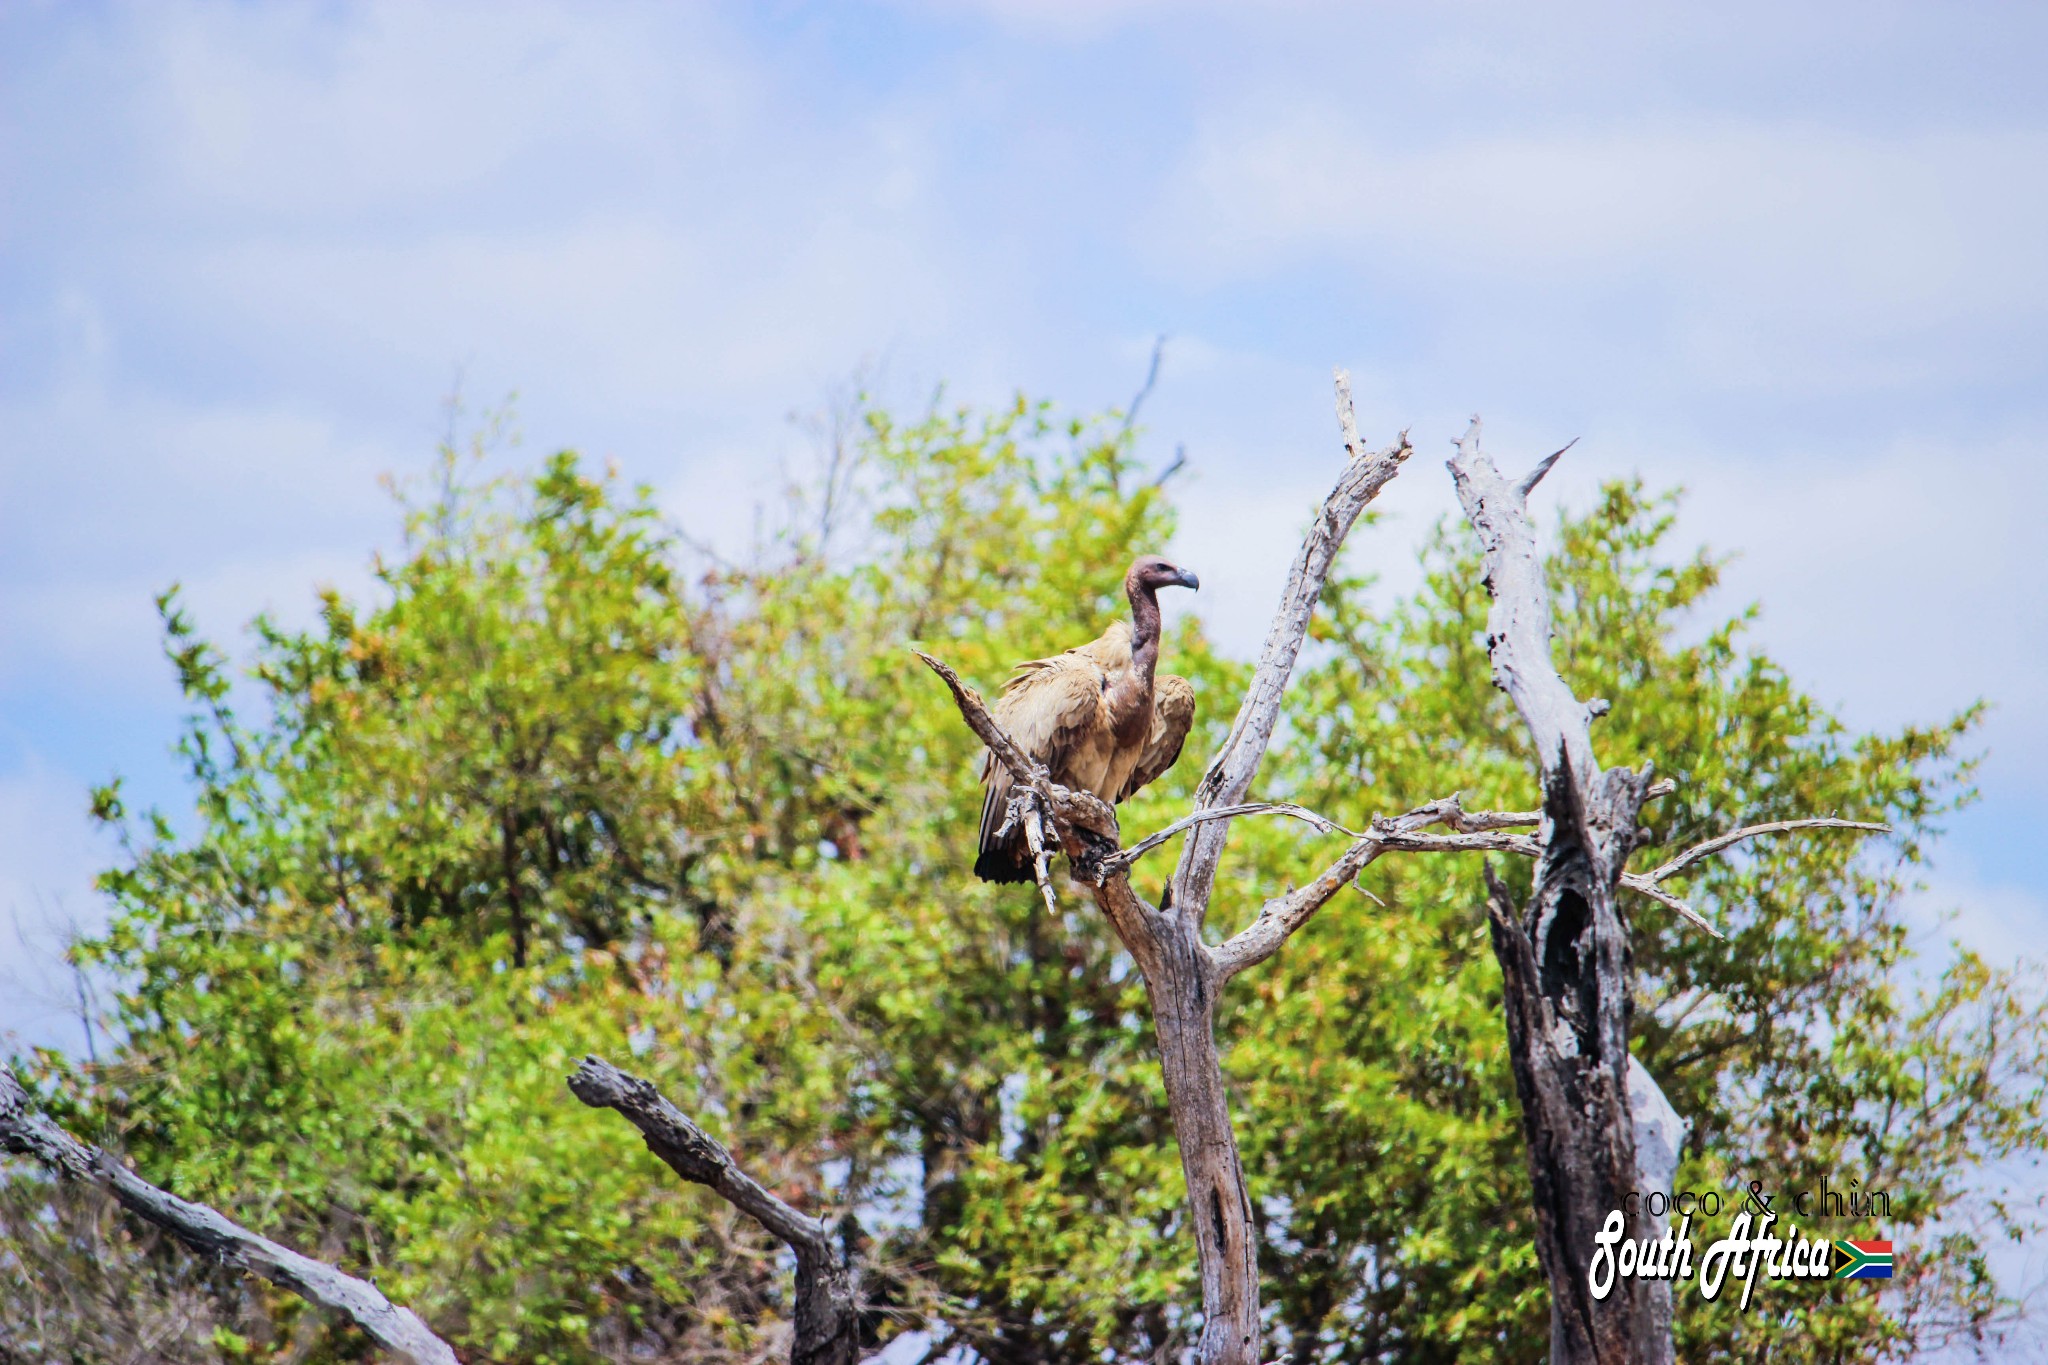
(398, 1330)
(827, 1319)
(1564, 957)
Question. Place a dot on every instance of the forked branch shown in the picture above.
(206, 1231)
(1281, 916)
(1473, 832)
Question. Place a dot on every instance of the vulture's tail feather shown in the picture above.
(1006, 858)
(1004, 864)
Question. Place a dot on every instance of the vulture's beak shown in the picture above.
(1187, 580)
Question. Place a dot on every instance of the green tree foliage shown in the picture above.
(553, 792)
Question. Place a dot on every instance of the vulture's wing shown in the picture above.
(1047, 706)
(1173, 711)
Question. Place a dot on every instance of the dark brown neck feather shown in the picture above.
(1144, 626)
(1130, 702)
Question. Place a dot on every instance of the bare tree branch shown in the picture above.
(1644, 887)
(1145, 389)
(1473, 832)
(1723, 841)
(1173, 466)
(1281, 916)
(1518, 624)
(827, 1323)
(1202, 817)
(1230, 773)
(1451, 813)
(1535, 476)
(207, 1232)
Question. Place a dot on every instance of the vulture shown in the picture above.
(1095, 716)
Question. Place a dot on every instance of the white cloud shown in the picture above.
(1763, 242)
(307, 113)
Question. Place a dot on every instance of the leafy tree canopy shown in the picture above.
(568, 785)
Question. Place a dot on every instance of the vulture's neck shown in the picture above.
(1130, 702)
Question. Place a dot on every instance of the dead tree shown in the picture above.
(1579, 856)
(1564, 957)
(27, 1133)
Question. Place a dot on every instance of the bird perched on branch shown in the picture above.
(1095, 716)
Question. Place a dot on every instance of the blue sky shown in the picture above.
(1794, 257)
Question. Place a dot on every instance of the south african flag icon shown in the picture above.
(1866, 1261)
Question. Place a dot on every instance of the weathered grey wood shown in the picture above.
(1181, 984)
(1229, 775)
(396, 1329)
(1449, 812)
(1564, 956)
(1660, 1138)
(827, 1319)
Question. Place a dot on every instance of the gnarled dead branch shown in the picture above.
(827, 1321)
(206, 1231)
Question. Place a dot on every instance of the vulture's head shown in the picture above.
(1152, 573)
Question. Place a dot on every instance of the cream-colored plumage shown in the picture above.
(1096, 716)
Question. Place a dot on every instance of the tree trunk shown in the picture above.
(1564, 960)
(1182, 987)
(1182, 974)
